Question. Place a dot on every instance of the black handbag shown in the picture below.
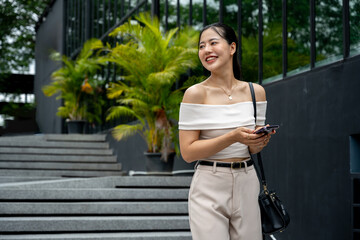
(274, 216)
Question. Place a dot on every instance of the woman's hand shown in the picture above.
(256, 142)
(246, 136)
(265, 140)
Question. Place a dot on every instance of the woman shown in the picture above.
(217, 128)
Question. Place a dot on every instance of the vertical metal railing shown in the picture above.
(204, 13)
(221, 11)
(312, 34)
(84, 19)
(166, 15)
(155, 7)
(239, 31)
(93, 18)
(346, 28)
(190, 13)
(178, 13)
(97, 18)
(284, 40)
(260, 42)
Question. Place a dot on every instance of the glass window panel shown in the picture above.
(272, 40)
(329, 31)
(354, 27)
(298, 36)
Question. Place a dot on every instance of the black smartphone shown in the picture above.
(267, 129)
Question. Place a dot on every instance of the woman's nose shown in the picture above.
(208, 48)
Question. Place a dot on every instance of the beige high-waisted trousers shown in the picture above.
(223, 204)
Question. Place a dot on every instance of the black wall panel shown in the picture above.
(308, 161)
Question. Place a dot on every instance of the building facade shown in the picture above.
(306, 54)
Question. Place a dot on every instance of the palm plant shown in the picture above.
(152, 62)
(77, 84)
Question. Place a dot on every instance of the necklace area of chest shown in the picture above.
(229, 94)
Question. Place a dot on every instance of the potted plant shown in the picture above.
(78, 86)
(152, 62)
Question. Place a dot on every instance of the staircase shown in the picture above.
(119, 207)
(57, 155)
(70, 187)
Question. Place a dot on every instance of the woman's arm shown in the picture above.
(193, 149)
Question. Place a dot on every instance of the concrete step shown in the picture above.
(113, 182)
(57, 137)
(93, 224)
(58, 173)
(61, 166)
(152, 181)
(176, 235)
(56, 158)
(12, 179)
(64, 183)
(93, 208)
(96, 194)
(55, 151)
(76, 137)
(53, 144)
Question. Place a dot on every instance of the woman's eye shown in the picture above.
(213, 43)
(201, 46)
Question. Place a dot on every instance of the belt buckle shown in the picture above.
(236, 165)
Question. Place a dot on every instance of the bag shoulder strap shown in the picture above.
(253, 99)
(258, 155)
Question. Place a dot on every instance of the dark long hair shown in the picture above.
(229, 35)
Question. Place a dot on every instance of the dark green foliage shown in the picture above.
(17, 33)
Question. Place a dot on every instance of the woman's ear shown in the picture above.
(232, 48)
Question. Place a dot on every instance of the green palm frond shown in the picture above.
(123, 131)
(134, 102)
(152, 24)
(116, 90)
(162, 78)
(50, 90)
(118, 111)
(192, 81)
(187, 38)
(127, 30)
(169, 36)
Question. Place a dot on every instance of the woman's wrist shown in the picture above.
(255, 149)
(231, 136)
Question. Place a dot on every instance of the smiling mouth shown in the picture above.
(209, 59)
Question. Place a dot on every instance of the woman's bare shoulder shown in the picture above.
(195, 94)
(259, 92)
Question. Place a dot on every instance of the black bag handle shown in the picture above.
(258, 155)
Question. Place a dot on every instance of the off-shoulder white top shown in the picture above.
(216, 120)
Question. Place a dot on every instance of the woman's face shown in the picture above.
(214, 51)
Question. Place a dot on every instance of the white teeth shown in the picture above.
(210, 58)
